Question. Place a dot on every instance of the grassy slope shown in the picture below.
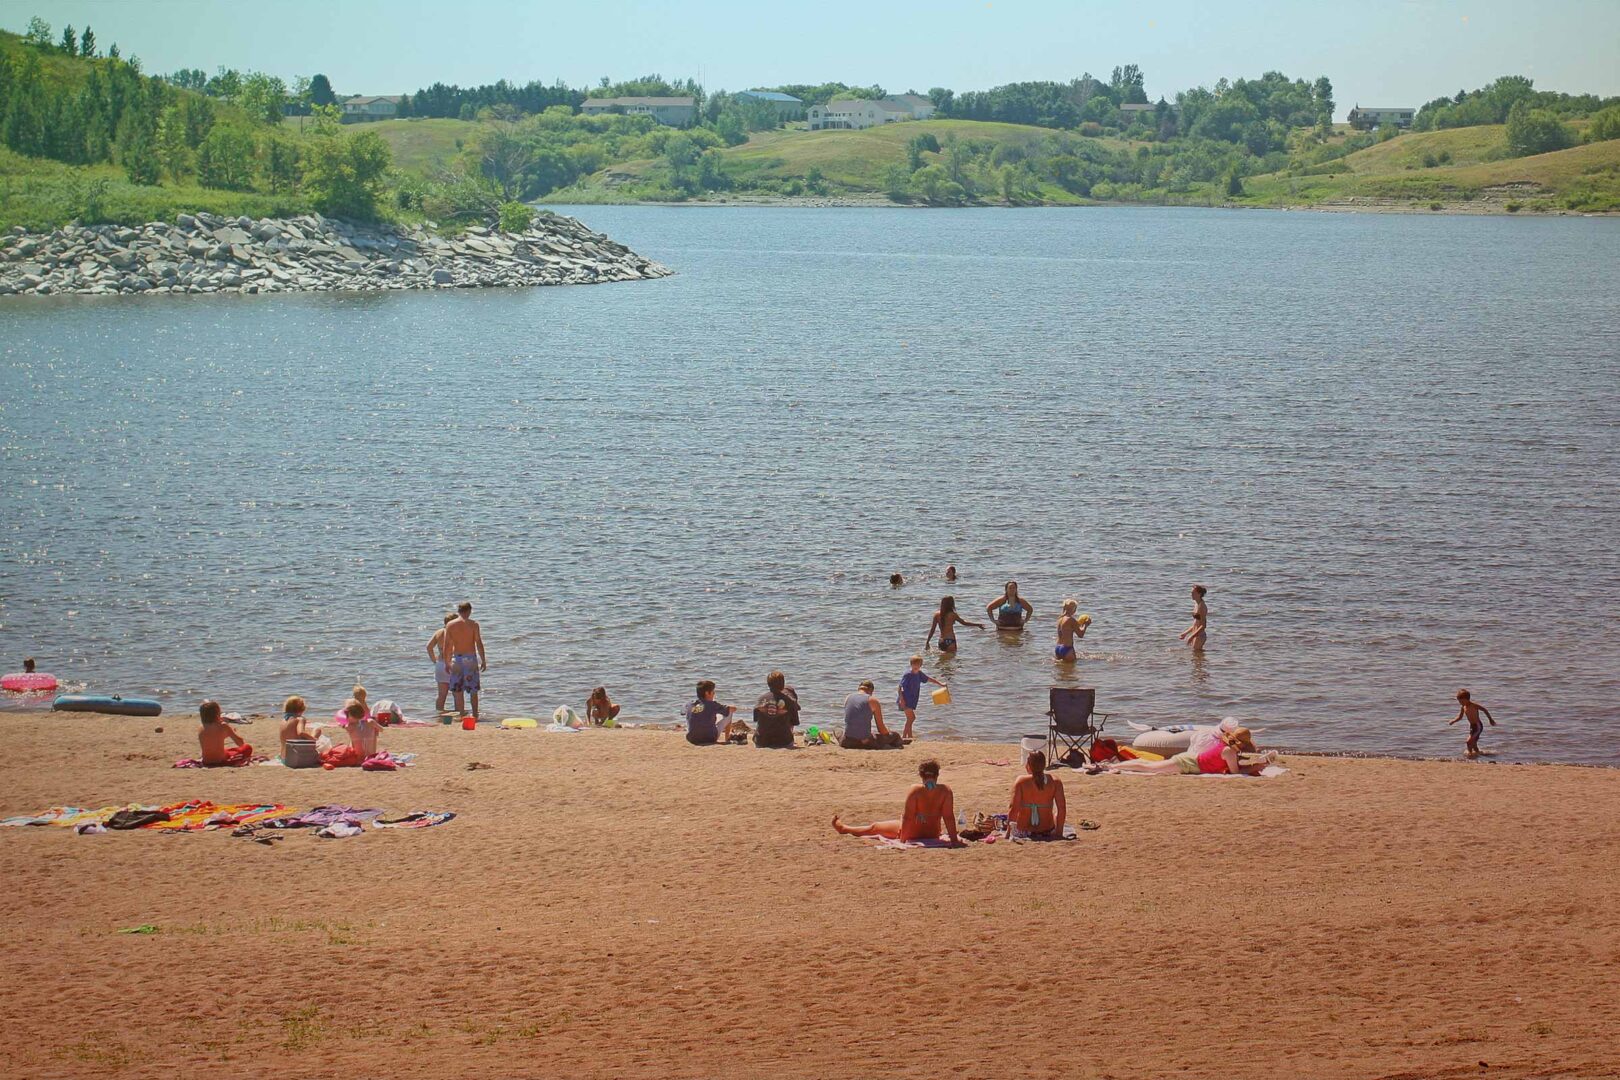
(1582, 177)
(419, 146)
(38, 193)
(851, 161)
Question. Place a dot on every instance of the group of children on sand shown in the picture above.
(360, 720)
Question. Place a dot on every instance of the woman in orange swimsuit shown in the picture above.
(1038, 807)
(930, 808)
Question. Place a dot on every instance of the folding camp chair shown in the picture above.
(1073, 725)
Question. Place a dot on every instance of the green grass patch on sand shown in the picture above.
(38, 193)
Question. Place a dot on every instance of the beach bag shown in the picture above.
(1104, 750)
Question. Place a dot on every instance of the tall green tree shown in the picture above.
(1535, 131)
(87, 44)
(320, 91)
(225, 160)
(70, 41)
(343, 173)
(173, 152)
(39, 33)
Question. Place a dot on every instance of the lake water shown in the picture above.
(1390, 446)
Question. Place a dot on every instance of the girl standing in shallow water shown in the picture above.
(945, 621)
(1196, 634)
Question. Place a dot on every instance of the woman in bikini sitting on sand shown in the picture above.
(945, 621)
(1220, 756)
(1038, 807)
(930, 808)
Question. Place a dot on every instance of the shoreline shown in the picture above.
(619, 903)
(858, 202)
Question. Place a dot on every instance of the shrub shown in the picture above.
(1434, 206)
(1091, 128)
(1514, 207)
(1430, 161)
(516, 217)
(1535, 131)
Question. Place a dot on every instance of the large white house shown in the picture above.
(859, 113)
(370, 107)
(673, 111)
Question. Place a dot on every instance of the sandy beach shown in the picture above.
(617, 903)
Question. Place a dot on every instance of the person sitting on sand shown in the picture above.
(1222, 755)
(703, 716)
(441, 659)
(599, 709)
(1009, 610)
(929, 809)
(212, 735)
(1038, 807)
(362, 728)
(909, 692)
(1198, 633)
(945, 621)
(1069, 630)
(776, 713)
(293, 724)
(861, 712)
(1466, 706)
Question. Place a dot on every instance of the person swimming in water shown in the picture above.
(1069, 630)
(930, 807)
(945, 621)
(1196, 634)
(950, 572)
(1009, 610)
(1038, 807)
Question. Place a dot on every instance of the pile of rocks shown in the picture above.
(205, 253)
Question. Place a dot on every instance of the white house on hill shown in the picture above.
(673, 111)
(859, 113)
(363, 107)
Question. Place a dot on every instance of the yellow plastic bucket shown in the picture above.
(942, 696)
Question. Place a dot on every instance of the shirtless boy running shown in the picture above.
(464, 645)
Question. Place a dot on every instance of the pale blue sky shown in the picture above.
(1377, 52)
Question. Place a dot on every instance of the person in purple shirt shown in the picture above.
(703, 716)
(911, 684)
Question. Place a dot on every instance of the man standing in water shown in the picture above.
(464, 645)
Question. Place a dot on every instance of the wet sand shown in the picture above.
(617, 903)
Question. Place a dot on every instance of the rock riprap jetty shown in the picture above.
(206, 253)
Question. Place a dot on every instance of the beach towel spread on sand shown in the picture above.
(197, 763)
(321, 816)
(416, 819)
(209, 816)
(67, 816)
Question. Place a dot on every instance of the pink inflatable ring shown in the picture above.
(26, 682)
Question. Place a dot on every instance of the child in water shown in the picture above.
(599, 709)
(910, 692)
(1069, 630)
(1198, 633)
(945, 622)
(1468, 707)
(293, 724)
(212, 734)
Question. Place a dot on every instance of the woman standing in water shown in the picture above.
(1010, 610)
(945, 621)
(1196, 634)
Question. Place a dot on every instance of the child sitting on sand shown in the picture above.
(911, 684)
(212, 735)
(362, 728)
(599, 708)
(293, 724)
(1468, 707)
(703, 716)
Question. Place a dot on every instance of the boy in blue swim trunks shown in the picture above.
(911, 684)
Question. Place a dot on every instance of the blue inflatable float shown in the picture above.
(107, 703)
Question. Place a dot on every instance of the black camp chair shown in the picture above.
(1073, 725)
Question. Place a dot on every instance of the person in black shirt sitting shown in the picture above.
(776, 713)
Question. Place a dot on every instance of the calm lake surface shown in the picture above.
(1389, 445)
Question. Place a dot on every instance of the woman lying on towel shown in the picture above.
(1221, 755)
(929, 809)
(1038, 808)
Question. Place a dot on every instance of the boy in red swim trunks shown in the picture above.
(1471, 709)
(212, 735)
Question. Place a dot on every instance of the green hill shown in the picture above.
(1477, 174)
(419, 146)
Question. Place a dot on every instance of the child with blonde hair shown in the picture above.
(1069, 629)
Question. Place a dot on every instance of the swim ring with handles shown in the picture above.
(24, 682)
